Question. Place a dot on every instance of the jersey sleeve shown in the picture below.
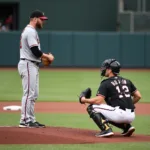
(32, 39)
(102, 90)
(133, 88)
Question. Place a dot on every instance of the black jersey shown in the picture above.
(117, 92)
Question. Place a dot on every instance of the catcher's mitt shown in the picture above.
(86, 93)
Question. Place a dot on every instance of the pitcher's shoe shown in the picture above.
(22, 125)
(28, 125)
(40, 125)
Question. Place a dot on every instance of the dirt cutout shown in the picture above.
(69, 107)
(59, 135)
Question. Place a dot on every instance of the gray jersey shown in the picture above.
(29, 38)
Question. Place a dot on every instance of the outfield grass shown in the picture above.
(142, 123)
(118, 146)
(66, 85)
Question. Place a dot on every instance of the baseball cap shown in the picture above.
(38, 14)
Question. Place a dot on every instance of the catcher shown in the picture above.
(114, 101)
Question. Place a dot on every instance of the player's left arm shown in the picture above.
(94, 100)
(100, 96)
(135, 93)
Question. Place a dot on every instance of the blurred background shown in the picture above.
(99, 29)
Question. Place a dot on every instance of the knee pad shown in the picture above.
(92, 112)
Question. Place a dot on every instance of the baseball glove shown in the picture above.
(45, 61)
(86, 93)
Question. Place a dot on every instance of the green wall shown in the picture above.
(76, 15)
(9, 48)
(83, 49)
(147, 50)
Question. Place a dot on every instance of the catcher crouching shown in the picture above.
(114, 101)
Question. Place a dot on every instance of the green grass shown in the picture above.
(118, 146)
(73, 120)
(66, 85)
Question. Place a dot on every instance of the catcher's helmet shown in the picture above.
(112, 64)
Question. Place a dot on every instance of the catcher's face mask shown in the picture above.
(105, 65)
(103, 71)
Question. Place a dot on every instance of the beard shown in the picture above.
(39, 25)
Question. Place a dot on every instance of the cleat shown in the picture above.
(128, 131)
(28, 125)
(22, 125)
(105, 133)
(40, 125)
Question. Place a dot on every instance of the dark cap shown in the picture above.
(38, 14)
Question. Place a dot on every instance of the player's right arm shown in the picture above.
(33, 44)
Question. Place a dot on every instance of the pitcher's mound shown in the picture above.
(59, 135)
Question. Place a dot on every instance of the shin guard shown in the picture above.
(98, 118)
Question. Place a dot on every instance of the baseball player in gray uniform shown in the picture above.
(28, 68)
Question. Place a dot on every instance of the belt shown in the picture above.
(132, 110)
(35, 62)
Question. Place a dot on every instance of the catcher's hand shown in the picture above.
(86, 93)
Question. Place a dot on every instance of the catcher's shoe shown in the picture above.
(128, 131)
(105, 133)
(40, 125)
